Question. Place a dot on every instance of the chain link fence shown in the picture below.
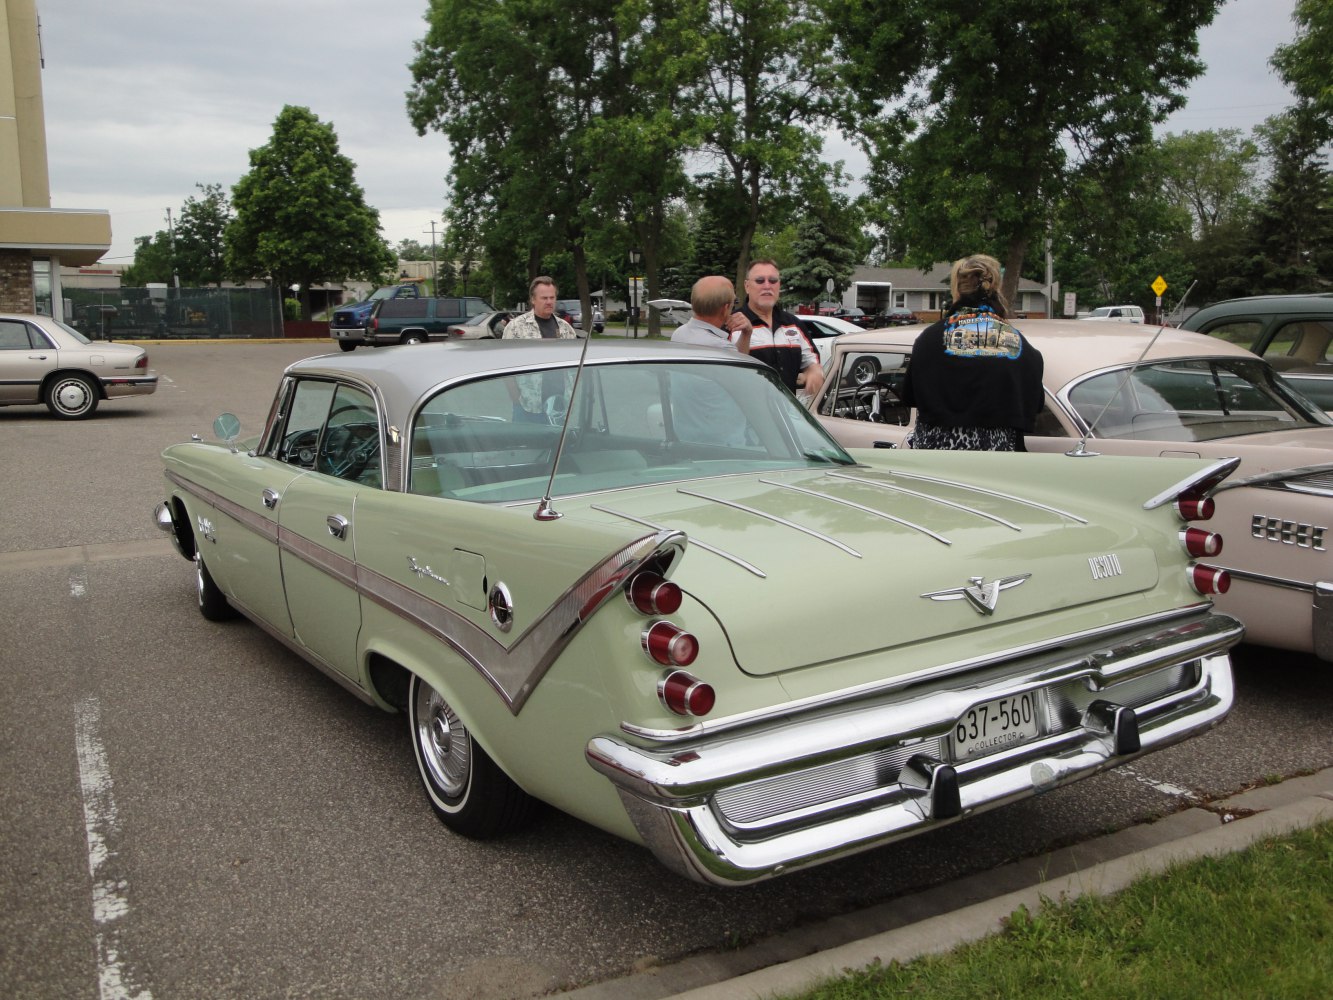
(174, 313)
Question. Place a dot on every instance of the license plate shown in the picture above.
(996, 725)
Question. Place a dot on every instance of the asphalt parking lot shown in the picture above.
(257, 832)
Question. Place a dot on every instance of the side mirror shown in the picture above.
(227, 428)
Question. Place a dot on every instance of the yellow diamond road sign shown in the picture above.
(1158, 286)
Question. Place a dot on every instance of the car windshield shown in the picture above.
(631, 424)
(1198, 399)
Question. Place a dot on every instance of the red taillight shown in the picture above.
(670, 645)
(1209, 579)
(1200, 543)
(685, 694)
(142, 362)
(653, 595)
(1193, 507)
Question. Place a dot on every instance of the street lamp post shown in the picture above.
(634, 257)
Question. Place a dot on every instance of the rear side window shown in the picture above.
(1242, 332)
(403, 308)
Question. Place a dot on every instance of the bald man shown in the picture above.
(713, 323)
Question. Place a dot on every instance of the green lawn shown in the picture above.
(1258, 923)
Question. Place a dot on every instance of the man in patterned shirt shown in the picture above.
(540, 398)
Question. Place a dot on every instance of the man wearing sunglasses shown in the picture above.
(776, 339)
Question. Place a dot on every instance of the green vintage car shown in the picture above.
(651, 591)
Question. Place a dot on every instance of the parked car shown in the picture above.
(348, 326)
(1115, 314)
(415, 321)
(571, 311)
(43, 360)
(481, 326)
(1193, 395)
(896, 317)
(671, 312)
(822, 329)
(676, 612)
(856, 316)
(1293, 333)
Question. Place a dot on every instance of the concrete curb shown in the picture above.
(964, 911)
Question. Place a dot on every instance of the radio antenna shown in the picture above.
(1081, 449)
(545, 510)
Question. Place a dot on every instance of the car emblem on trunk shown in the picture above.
(980, 594)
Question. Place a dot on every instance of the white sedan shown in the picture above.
(42, 360)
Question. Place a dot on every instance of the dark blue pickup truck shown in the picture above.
(348, 327)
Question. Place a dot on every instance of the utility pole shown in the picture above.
(171, 244)
(434, 269)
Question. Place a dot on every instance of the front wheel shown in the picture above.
(864, 371)
(71, 397)
(347, 345)
(212, 602)
(467, 790)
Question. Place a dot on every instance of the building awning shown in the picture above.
(77, 236)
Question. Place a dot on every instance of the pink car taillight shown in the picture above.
(652, 595)
(670, 645)
(1209, 579)
(1199, 543)
(685, 694)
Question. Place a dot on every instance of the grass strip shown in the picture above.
(1257, 923)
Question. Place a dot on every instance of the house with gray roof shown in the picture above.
(884, 289)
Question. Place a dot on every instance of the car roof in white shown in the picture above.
(1071, 348)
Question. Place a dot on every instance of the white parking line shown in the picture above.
(110, 889)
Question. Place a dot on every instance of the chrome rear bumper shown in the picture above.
(733, 807)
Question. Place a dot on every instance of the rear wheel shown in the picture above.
(347, 345)
(467, 790)
(864, 370)
(71, 397)
(413, 337)
(212, 602)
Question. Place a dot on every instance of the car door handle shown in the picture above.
(271, 498)
(338, 525)
(36, 357)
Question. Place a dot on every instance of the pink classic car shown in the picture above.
(1191, 395)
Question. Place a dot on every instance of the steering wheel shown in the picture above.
(299, 448)
(348, 449)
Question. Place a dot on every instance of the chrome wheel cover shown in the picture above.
(443, 743)
(864, 372)
(73, 396)
(199, 579)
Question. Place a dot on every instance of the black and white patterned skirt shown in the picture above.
(926, 435)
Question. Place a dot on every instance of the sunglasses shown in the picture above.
(767, 281)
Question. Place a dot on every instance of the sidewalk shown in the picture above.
(941, 918)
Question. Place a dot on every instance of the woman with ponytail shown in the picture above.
(974, 379)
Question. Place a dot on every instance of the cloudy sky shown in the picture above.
(146, 98)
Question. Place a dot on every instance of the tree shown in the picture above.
(412, 250)
(152, 261)
(769, 88)
(1211, 175)
(826, 249)
(200, 237)
(300, 215)
(1017, 102)
(1291, 240)
(1306, 65)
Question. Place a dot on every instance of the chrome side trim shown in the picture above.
(1281, 480)
(1271, 581)
(857, 506)
(773, 517)
(1092, 638)
(1217, 471)
(257, 523)
(923, 496)
(694, 542)
(513, 672)
(967, 487)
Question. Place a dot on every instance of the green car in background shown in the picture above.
(651, 591)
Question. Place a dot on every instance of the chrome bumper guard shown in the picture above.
(793, 790)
